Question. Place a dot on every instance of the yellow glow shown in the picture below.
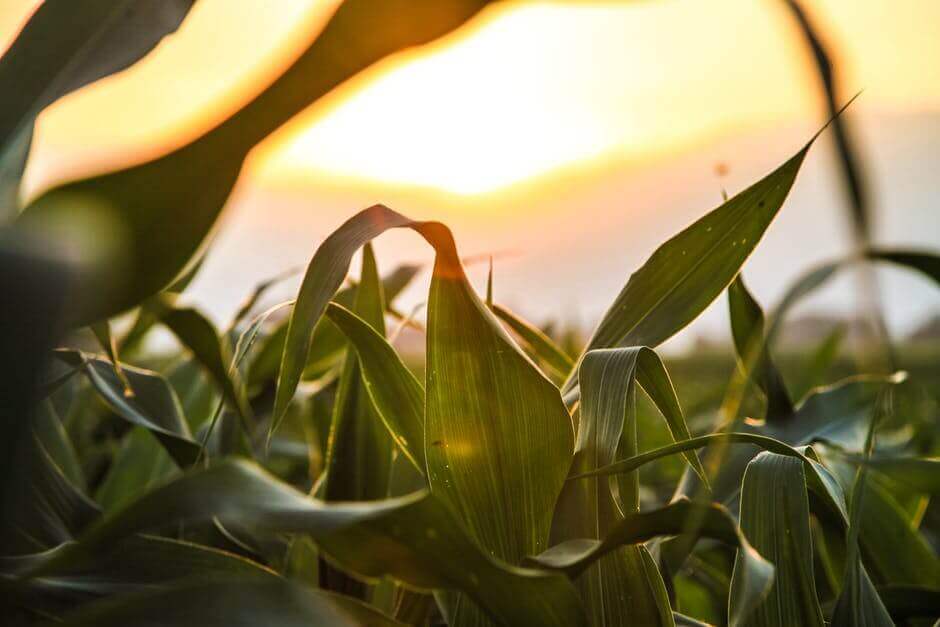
(539, 87)
(526, 91)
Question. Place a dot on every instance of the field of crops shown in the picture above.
(294, 468)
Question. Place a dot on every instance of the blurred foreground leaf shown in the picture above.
(64, 46)
(162, 211)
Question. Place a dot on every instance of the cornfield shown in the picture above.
(292, 468)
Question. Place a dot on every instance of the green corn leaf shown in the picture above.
(910, 602)
(398, 397)
(498, 438)
(747, 329)
(64, 46)
(837, 414)
(416, 539)
(920, 473)
(858, 603)
(157, 233)
(324, 276)
(923, 261)
(51, 433)
(684, 275)
(680, 517)
(102, 331)
(327, 346)
(820, 479)
(820, 361)
(653, 378)
(232, 603)
(485, 400)
(139, 464)
(359, 450)
(135, 563)
(894, 550)
(632, 463)
(619, 586)
(195, 332)
(327, 349)
(775, 517)
(43, 509)
(154, 405)
(540, 344)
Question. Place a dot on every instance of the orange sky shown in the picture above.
(575, 136)
(526, 89)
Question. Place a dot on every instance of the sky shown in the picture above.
(530, 130)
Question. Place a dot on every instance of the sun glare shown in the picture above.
(520, 93)
(479, 114)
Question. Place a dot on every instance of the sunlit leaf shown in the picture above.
(485, 400)
(396, 394)
(684, 275)
(359, 450)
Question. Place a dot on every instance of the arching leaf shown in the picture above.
(415, 539)
(680, 517)
(153, 406)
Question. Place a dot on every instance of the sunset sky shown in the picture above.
(525, 89)
(524, 99)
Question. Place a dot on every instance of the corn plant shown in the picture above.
(293, 468)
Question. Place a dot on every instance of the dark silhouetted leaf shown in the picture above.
(162, 210)
(415, 539)
(64, 46)
(747, 328)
